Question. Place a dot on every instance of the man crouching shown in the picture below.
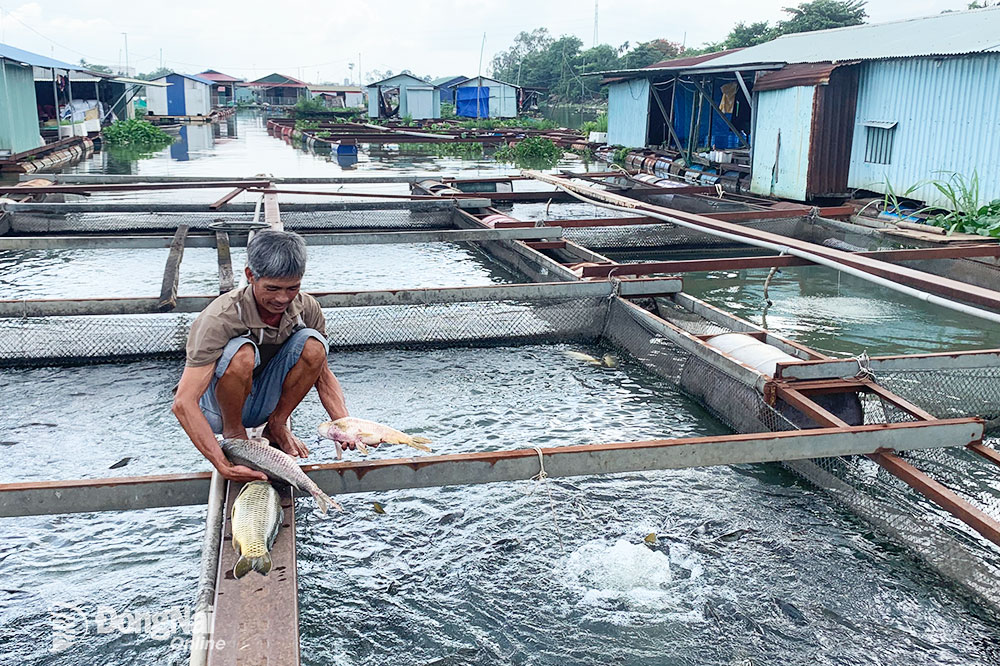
(253, 354)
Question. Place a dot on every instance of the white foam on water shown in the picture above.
(624, 582)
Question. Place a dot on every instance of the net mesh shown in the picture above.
(664, 235)
(92, 339)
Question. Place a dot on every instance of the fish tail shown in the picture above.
(245, 565)
(325, 502)
(420, 440)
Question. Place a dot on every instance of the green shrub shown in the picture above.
(600, 124)
(533, 152)
(447, 110)
(966, 214)
(136, 133)
(314, 105)
(304, 125)
(620, 155)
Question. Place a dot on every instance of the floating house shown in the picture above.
(19, 119)
(279, 90)
(223, 90)
(404, 95)
(483, 97)
(878, 107)
(447, 85)
(339, 97)
(185, 95)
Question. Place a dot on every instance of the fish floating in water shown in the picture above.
(606, 361)
(276, 464)
(362, 433)
(257, 515)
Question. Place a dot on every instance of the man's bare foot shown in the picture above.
(281, 436)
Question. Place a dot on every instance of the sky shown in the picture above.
(318, 41)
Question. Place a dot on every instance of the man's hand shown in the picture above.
(241, 473)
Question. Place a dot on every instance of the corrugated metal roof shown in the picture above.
(397, 76)
(955, 33)
(803, 74)
(11, 53)
(218, 77)
(322, 89)
(486, 78)
(664, 65)
(186, 76)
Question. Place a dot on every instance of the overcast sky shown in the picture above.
(316, 40)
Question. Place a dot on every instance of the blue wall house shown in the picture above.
(877, 107)
(185, 95)
(483, 97)
(662, 104)
(19, 130)
(403, 95)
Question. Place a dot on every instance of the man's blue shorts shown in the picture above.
(266, 388)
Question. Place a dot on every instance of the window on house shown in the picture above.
(879, 136)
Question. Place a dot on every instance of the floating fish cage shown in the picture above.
(901, 441)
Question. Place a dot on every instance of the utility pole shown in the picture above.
(595, 22)
(126, 53)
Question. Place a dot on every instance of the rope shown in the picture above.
(540, 478)
(864, 367)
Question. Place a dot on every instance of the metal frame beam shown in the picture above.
(237, 239)
(132, 493)
(948, 288)
(343, 299)
(838, 368)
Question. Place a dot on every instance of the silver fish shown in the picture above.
(257, 515)
(276, 464)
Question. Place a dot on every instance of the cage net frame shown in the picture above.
(906, 517)
(348, 219)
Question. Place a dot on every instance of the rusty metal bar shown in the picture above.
(227, 198)
(812, 410)
(132, 493)
(892, 274)
(780, 261)
(940, 495)
(132, 187)
(256, 618)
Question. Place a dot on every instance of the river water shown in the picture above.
(747, 563)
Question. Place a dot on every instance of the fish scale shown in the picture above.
(276, 464)
(256, 518)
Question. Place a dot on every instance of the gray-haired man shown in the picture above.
(253, 354)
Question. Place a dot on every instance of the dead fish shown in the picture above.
(650, 538)
(363, 433)
(606, 361)
(121, 463)
(276, 464)
(257, 515)
(580, 356)
(379, 508)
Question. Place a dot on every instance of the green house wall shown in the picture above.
(18, 112)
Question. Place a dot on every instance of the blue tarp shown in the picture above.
(722, 137)
(472, 102)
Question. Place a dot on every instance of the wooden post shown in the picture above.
(226, 282)
(171, 273)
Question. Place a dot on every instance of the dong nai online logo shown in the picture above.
(72, 625)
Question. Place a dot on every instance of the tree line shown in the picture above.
(537, 59)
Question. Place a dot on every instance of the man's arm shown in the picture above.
(193, 384)
(330, 394)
